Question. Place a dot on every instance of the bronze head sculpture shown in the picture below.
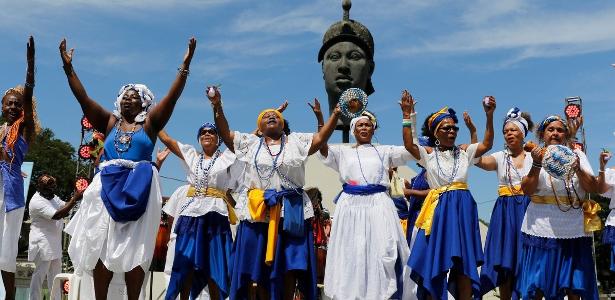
(347, 58)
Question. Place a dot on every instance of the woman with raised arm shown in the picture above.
(606, 186)
(448, 248)
(503, 243)
(115, 228)
(556, 258)
(16, 134)
(367, 247)
(203, 243)
(274, 245)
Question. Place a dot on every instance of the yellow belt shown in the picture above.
(591, 220)
(216, 193)
(404, 225)
(425, 218)
(258, 212)
(505, 190)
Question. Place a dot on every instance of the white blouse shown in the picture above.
(259, 172)
(551, 220)
(219, 177)
(507, 173)
(365, 164)
(609, 176)
(440, 166)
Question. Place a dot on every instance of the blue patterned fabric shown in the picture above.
(12, 180)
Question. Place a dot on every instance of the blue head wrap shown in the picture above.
(436, 119)
(207, 125)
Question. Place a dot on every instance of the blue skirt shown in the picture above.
(608, 238)
(203, 244)
(454, 245)
(554, 266)
(503, 245)
(292, 254)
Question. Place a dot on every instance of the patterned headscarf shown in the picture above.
(436, 119)
(147, 97)
(514, 116)
(550, 119)
(208, 125)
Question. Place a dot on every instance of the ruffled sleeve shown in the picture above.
(398, 156)
(302, 142)
(242, 143)
(471, 152)
(584, 162)
(424, 155)
(333, 157)
(190, 155)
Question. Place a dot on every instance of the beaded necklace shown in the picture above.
(381, 173)
(201, 184)
(123, 139)
(455, 164)
(510, 165)
(274, 159)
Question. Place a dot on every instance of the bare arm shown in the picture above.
(170, 142)
(161, 113)
(529, 184)
(28, 124)
(487, 142)
(487, 163)
(221, 123)
(603, 187)
(321, 137)
(161, 156)
(65, 210)
(471, 127)
(96, 114)
(407, 107)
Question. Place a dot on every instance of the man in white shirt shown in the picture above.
(45, 242)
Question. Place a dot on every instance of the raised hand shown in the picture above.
(315, 107)
(216, 100)
(189, 52)
(605, 155)
(468, 121)
(162, 154)
(67, 57)
(407, 104)
(574, 125)
(282, 107)
(489, 104)
(30, 52)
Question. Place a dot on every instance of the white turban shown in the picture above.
(514, 116)
(367, 116)
(147, 97)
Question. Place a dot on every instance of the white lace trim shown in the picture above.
(120, 162)
(547, 220)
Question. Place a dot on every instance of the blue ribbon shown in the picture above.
(125, 191)
(292, 200)
(362, 190)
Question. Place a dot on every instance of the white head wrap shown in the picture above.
(367, 116)
(514, 116)
(144, 93)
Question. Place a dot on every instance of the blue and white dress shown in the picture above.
(557, 252)
(292, 252)
(503, 243)
(608, 235)
(367, 248)
(454, 244)
(203, 234)
(119, 216)
(12, 203)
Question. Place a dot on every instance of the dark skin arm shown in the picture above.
(99, 117)
(160, 114)
(65, 210)
(322, 136)
(603, 187)
(407, 107)
(529, 184)
(170, 143)
(471, 127)
(224, 131)
(161, 156)
(28, 108)
(487, 142)
(588, 182)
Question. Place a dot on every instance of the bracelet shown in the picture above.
(183, 72)
(406, 124)
(601, 171)
(536, 165)
(29, 85)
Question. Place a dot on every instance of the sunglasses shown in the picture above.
(449, 128)
(208, 131)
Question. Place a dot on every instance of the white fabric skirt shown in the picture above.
(10, 229)
(366, 243)
(120, 246)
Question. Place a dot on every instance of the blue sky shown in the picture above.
(530, 54)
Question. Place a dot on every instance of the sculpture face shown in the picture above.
(345, 65)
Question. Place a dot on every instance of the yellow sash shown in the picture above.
(258, 212)
(216, 193)
(404, 225)
(505, 190)
(423, 221)
(591, 220)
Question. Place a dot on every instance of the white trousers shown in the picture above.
(11, 228)
(44, 269)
